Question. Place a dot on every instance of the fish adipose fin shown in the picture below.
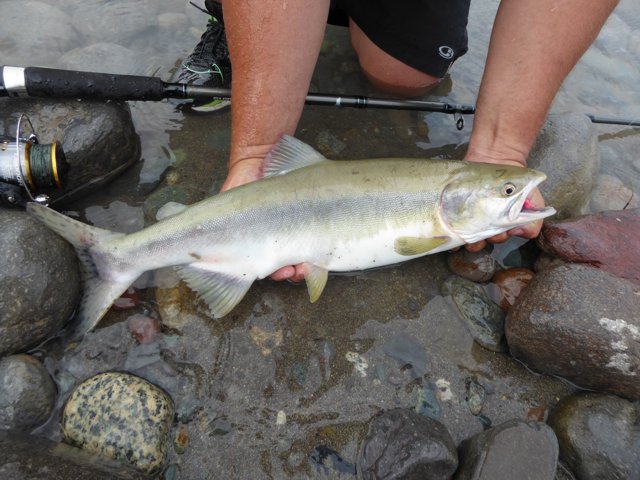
(222, 292)
(290, 154)
(316, 278)
(409, 246)
(98, 294)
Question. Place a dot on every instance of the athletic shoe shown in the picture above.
(209, 64)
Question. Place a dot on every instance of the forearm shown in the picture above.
(274, 46)
(534, 45)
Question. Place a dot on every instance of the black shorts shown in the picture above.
(428, 35)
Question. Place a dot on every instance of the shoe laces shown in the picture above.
(201, 56)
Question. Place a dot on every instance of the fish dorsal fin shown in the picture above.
(316, 278)
(220, 291)
(409, 246)
(290, 154)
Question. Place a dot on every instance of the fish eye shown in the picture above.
(508, 189)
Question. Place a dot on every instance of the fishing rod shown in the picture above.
(56, 83)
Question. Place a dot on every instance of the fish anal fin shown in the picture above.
(316, 279)
(409, 246)
(290, 154)
(221, 291)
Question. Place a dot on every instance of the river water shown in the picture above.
(328, 367)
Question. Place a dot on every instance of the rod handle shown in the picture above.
(54, 83)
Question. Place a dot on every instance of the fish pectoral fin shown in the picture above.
(409, 246)
(290, 154)
(316, 278)
(221, 291)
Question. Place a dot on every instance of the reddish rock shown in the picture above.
(143, 328)
(507, 285)
(607, 240)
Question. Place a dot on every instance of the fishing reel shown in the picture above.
(27, 166)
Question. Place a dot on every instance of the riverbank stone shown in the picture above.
(599, 436)
(402, 444)
(39, 281)
(27, 393)
(475, 266)
(482, 316)
(516, 449)
(608, 240)
(566, 149)
(122, 417)
(98, 138)
(582, 324)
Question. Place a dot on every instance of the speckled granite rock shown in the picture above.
(120, 416)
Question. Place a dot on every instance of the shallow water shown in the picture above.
(375, 340)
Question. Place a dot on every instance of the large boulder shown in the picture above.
(582, 324)
(567, 151)
(39, 281)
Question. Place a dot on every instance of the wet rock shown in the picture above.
(329, 144)
(506, 286)
(607, 240)
(143, 328)
(98, 138)
(516, 449)
(475, 266)
(610, 193)
(32, 458)
(475, 396)
(582, 324)
(481, 315)
(39, 282)
(103, 57)
(120, 416)
(49, 33)
(125, 18)
(27, 393)
(404, 445)
(173, 193)
(599, 436)
(569, 183)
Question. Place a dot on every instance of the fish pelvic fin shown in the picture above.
(98, 294)
(409, 246)
(221, 291)
(290, 154)
(316, 279)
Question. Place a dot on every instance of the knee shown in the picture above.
(387, 73)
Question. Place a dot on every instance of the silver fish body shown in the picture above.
(327, 215)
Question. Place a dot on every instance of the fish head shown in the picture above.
(483, 200)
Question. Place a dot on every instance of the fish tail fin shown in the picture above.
(98, 293)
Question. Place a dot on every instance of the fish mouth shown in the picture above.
(520, 209)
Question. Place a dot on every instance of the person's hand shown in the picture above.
(250, 170)
(529, 231)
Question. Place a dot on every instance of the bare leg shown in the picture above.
(386, 72)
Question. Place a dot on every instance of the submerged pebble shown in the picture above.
(506, 286)
(402, 444)
(483, 318)
(511, 450)
(475, 266)
(120, 416)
